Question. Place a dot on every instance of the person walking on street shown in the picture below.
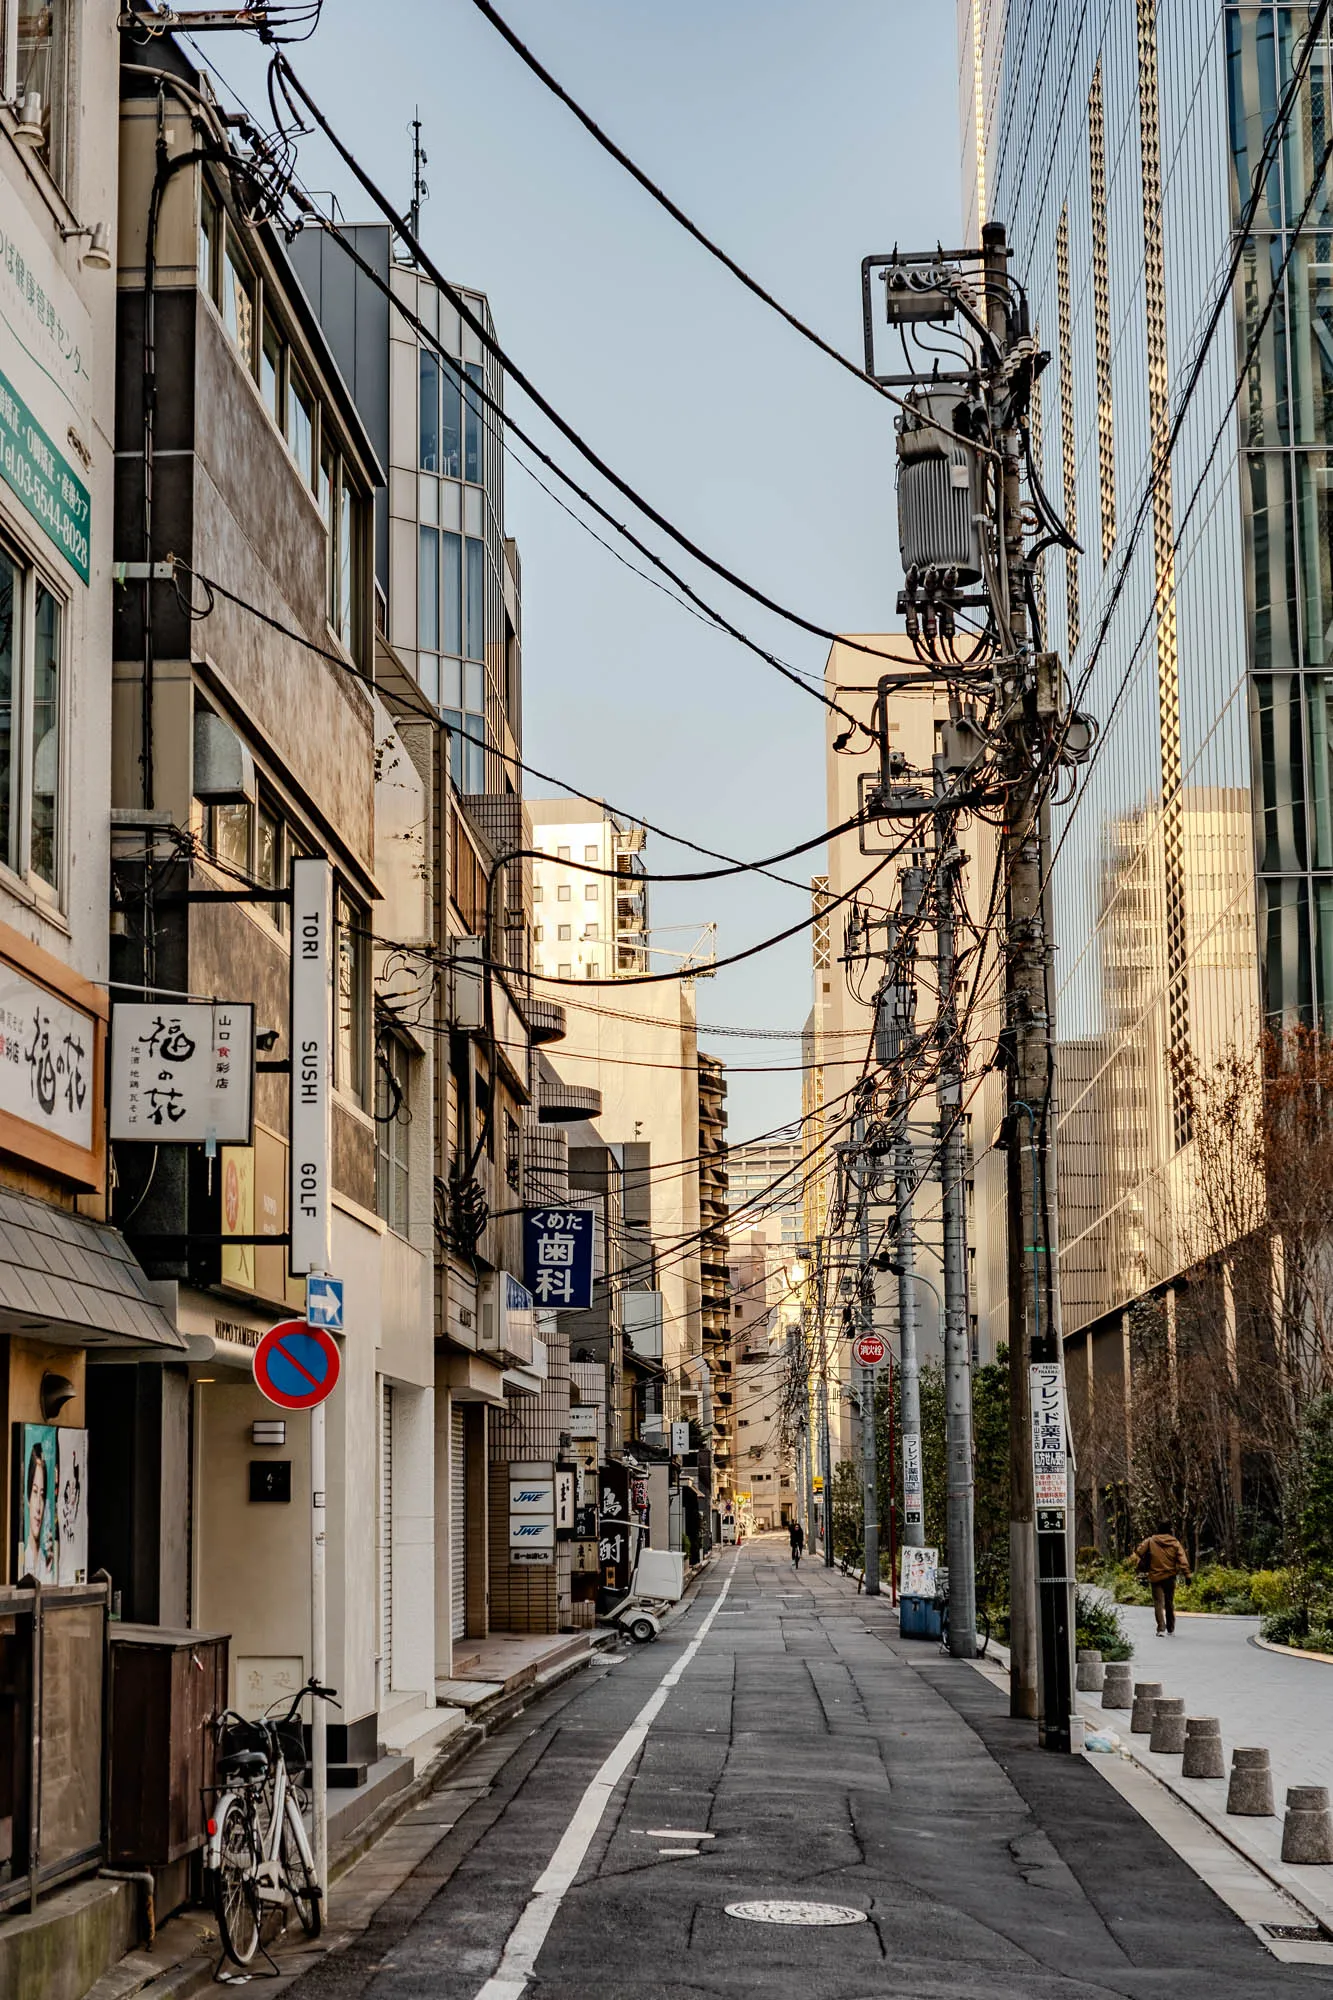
(1161, 1559)
(797, 1533)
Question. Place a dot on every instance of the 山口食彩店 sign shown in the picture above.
(182, 1075)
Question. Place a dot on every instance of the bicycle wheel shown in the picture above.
(297, 1878)
(235, 1903)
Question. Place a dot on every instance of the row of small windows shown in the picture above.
(592, 970)
(226, 274)
(565, 932)
(564, 893)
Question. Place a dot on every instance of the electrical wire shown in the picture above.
(692, 228)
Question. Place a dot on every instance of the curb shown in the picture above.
(1289, 1652)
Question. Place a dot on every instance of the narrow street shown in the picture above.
(826, 1761)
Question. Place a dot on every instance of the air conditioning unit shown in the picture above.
(224, 770)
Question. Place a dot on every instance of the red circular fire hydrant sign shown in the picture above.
(869, 1349)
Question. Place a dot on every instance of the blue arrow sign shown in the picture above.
(324, 1303)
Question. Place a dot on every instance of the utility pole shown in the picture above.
(825, 1451)
(1041, 1632)
(865, 1299)
(957, 1346)
(896, 1033)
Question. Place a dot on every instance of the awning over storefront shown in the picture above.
(66, 1278)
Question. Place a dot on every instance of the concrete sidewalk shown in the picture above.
(1283, 1704)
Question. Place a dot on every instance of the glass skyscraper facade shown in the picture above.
(1192, 888)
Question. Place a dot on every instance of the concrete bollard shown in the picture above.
(1089, 1673)
(1307, 1830)
(1145, 1694)
(1251, 1788)
(1168, 1726)
(1117, 1686)
(1203, 1748)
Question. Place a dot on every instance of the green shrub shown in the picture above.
(1088, 1565)
(1214, 1587)
(1097, 1625)
(1271, 1590)
(1287, 1627)
(1125, 1584)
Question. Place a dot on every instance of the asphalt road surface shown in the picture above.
(828, 1762)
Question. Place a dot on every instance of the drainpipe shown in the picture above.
(148, 1883)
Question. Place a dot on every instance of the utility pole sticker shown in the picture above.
(1050, 1479)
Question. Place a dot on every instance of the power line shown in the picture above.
(292, 82)
(692, 228)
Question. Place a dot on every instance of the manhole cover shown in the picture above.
(795, 1913)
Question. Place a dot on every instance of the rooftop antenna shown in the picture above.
(420, 191)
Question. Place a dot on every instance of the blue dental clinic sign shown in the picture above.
(557, 1257)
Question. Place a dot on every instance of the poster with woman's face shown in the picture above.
(35, 1476)
(72, 1506)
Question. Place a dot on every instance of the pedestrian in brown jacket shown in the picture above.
(1161, 1559)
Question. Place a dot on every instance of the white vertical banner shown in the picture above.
(312, 1065)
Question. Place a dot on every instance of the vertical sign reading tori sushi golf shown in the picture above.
(312, 1064)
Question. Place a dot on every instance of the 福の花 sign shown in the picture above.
(182, 1075)
(47, 1050)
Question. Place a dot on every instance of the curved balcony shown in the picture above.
(567, 1103)
(546, 1021)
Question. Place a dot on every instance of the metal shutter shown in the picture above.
(457, 1525)
(386, 1541)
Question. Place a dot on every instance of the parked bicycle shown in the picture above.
(258, 1853)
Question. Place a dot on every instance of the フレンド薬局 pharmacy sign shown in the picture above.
(45, 388)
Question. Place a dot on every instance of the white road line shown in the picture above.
(525, 1941)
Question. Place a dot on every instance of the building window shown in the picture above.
(210, 231)
(590, 931)
(592, 970)
(451, 579)
(273, 853)
(428, 590)
(562, 853)
(238, 299)
(37, 59)
(428, 456)
(392, 1118)
(472, 460)
(451, 421)
(565, 971)
(539, 894)
(31, 636)
(538, 933)
(591, 891)
(301, 425)
(352, 1000)
(476, 600)
(271, 370)
(590, 854)
(563, 893)
(227, 833)
(565, 933)
(513, 1153)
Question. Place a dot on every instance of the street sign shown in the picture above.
(557, 1257)
(296, 1365)
(869, 1349)
(324, 1303)
(680, 1440)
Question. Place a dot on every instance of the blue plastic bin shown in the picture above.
(919, 1618)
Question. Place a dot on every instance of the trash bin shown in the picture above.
(919, 1618)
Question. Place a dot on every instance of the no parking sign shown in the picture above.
(296, 1365)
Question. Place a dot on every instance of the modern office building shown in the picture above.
(1182, 428)
(764, 1187)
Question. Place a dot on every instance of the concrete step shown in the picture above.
(397, 1707)
(347, 1810)
(418, 1732)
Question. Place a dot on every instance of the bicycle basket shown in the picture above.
(234, 1736)
(291, 1741)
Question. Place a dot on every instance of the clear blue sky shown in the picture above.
(801, 134)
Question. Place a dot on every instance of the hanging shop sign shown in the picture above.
(182, 1076)
(47, 1059)
(1050, 1476)
(50, 1503)
(557, 1257)
(310, 1162)
(615, 1527)
(532, 1514)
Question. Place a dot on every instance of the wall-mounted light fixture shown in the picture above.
(268, 1430)
(97, 257)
